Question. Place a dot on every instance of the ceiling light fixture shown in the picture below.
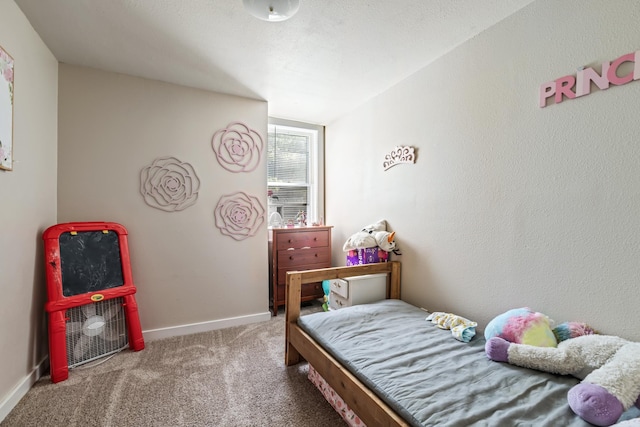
(272, 10)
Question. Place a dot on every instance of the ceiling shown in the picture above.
(331, 57)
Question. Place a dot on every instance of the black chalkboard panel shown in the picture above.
(90, 261)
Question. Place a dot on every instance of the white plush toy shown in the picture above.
(608, 366)
(371, 236)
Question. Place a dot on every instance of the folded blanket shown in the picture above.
(462, 329)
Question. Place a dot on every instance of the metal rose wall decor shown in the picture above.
(237, 147)
(239, 215)
(169, 184)
(400, 154)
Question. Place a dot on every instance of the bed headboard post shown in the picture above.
(394, 285)
(292, 312)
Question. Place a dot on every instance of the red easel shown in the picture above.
(58, 303)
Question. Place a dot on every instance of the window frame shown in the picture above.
(315, 202)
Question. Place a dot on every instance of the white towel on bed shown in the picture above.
(462, 329)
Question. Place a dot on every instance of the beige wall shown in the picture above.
(508, 204)
(111, 127)
(28, 205)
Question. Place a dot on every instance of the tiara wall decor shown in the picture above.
(239, 215)
(237, 147)
(169, 184)
(400, 154)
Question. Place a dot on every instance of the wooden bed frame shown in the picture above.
(299, 345)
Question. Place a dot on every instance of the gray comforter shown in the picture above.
(430, 378)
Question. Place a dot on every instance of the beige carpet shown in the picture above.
(229, 377)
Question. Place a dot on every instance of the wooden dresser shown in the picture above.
(297, 249)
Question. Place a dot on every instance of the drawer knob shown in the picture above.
(291, 258)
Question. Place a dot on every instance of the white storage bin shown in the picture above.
(357, 290)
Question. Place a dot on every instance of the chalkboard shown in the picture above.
(90, 261)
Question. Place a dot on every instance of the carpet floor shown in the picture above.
(227, 377)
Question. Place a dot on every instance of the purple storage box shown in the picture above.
(366, 256)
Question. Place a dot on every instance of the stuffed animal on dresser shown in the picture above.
(608, 367)
(371, 236)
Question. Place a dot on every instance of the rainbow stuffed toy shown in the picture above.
(522, 326)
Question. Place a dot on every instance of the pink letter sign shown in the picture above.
(564, 86)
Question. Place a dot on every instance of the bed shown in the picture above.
(393, 368)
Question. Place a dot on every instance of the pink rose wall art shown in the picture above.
(239, 215)
(237, 147)
(169, 184)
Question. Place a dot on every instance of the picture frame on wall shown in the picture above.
(6, 110)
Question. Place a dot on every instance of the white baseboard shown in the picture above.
(194, 328)
(22, 388)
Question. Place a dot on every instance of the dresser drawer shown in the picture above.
(293, 258)
(313, 290)
(306, 239)
(340, 287)
(282, 272)
(337, 302)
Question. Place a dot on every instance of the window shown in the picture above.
(295, 182)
